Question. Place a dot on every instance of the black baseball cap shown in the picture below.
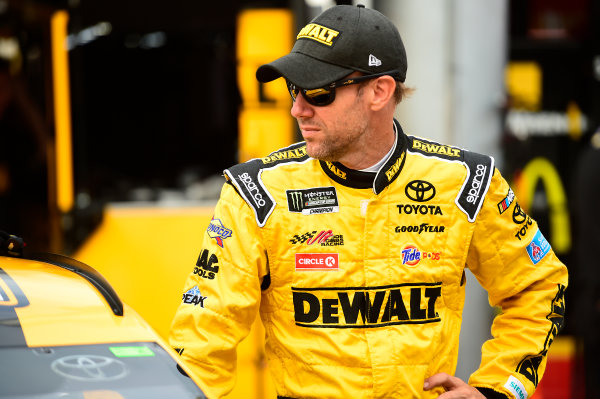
(337, 42)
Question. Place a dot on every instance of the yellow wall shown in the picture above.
(146, 254)
(265, 123)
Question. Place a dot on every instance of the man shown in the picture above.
(353, 244)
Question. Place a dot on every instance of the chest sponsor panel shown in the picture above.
(367, 307)
(313, 201)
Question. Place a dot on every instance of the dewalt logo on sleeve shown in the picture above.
(366, 307)
(434, 148)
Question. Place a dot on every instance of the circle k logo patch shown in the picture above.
(323, 262)
(420, 190)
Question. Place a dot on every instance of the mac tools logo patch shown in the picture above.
(312, 201)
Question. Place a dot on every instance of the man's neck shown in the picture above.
(374, 150)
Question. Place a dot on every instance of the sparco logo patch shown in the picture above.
(366, 307)
(252, 188)
(476, 184)
(506, 202)
(319, 33)
(313, 200)
(420, 190)
(480, 169)
(325, 262)
(217, 231)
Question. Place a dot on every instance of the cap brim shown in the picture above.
(302, 70)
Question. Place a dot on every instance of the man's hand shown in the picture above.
(455, 387)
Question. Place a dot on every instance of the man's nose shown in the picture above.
(301, 108)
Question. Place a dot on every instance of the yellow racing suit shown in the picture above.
(359, 278)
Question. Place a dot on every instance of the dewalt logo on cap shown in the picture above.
(320, 33)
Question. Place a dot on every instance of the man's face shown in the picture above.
(333, 132)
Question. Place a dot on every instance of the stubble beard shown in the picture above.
(329, 149)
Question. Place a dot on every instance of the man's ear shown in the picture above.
(383, 92)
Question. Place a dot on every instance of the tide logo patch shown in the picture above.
(317, 261)
(412, 255)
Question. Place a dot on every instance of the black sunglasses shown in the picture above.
(325, 95)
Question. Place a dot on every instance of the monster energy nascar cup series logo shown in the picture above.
(313, 201)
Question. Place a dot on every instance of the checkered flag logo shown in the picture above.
(302, 239)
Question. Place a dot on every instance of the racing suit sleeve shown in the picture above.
(222, 294)
(515, 264)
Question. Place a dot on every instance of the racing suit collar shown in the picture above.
(377, 181)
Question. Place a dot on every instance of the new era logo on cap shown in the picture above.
(374, 61)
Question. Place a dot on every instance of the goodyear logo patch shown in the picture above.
(319, 33)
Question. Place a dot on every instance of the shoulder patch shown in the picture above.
(246, 178)
(480, 169)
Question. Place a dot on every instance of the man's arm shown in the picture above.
(221, 296)
(516, 265)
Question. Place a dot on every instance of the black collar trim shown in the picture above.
(377, 181)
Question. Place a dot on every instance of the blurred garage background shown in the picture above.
(118, 116)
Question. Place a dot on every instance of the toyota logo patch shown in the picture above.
(420, 190)
(519, 216)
